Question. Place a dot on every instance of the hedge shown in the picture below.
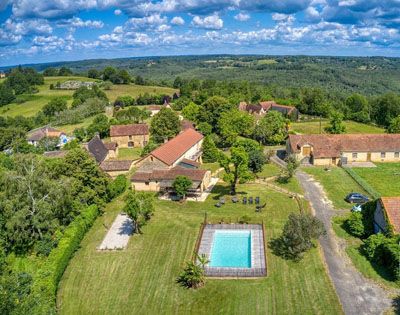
(371, 191)
(45, 285)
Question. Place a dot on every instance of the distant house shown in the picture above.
(74, 85)
(179, 156)
(344, 148)
(130, 136)
(262, 108)
(387, 215)
(36, 135)
(116, 167)
(187, 124)
(2, 75)
(155, 109)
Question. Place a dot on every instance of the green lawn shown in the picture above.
(351, 127)
(33, 103)
(210, 166)
(141, 279)
(385, 178)
(271, 169)
(129, 153)
(353, 249)
(337, 184)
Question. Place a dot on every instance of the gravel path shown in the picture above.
(118, 235)
(357, 294)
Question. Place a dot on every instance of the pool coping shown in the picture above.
(258, 261)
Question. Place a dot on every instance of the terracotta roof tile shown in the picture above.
(117, 165)
(38, 134)
(186, 124)
(171, 174)
(333, 145)
(111, 145)
(129, 130)
(392, 208)
(175, 148)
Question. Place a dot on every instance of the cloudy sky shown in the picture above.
(54, 30)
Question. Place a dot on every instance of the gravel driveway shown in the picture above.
(357, 294)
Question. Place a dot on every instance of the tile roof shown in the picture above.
(392, 208)
(129, 130)
(39, 134)
(111, 145)
(97, 149)
(117, 165)
(175, 148)
(186, 124)
(333, 145)
(171, 174)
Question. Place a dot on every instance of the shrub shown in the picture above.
(116, 187)
(355, 225)
(372, 247)
(45, 285)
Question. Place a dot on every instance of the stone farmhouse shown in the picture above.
(344, 148)
(130, 136)
(262, 108)
(102, 152)
(387, 215)
(179, 156)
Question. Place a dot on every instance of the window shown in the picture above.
(130, 137)
(130, 144)
(396, 155)
(355, 155)
(146, 183)
(383, 155)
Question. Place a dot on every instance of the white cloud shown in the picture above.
(76, 22)
(27, 27)
(208, 22)
(163, 28)
(147, 22)
(117, 12)
(242, 17)
(177, 20)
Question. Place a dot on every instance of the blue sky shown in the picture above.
(43, 30)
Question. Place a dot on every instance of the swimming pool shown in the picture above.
(231, 248)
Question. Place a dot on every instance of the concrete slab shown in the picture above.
(118, 235)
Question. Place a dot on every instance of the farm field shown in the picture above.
(141, 279)
(337, 184)
(34, 103)
(312, 127)
(385, 178)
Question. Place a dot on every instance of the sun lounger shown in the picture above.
(218, 205)
(234, 199)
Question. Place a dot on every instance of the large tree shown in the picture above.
(181, 186)
(235, 123)
(100, 125)
(212, 109)
(358, 108)
(56, 105)
(336, 125)
(191, 111)
(236, 167)
(139, 207)
(257, 157)
(394, 126)
(164, 125)
(271, 129)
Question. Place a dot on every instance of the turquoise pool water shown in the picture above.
(231, 249)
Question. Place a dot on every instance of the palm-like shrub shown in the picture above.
(193, 274)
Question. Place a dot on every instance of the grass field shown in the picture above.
(34, 103)
(141, 279)
(385, 178)
(313, 127)
(337, 184)
(271, 170)
(129, 153)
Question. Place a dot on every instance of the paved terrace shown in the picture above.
(258, 267)
(118, 235)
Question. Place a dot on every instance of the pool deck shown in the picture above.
(258, 266)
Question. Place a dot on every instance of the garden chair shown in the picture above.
(259, 208)
(250, 200)
(218, 205)
(244, 200)
(257, 200)
(234, 199)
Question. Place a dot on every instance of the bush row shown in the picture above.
(45, 285)
(371, 191)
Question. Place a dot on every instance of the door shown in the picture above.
(369, 156)
(306, 151)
